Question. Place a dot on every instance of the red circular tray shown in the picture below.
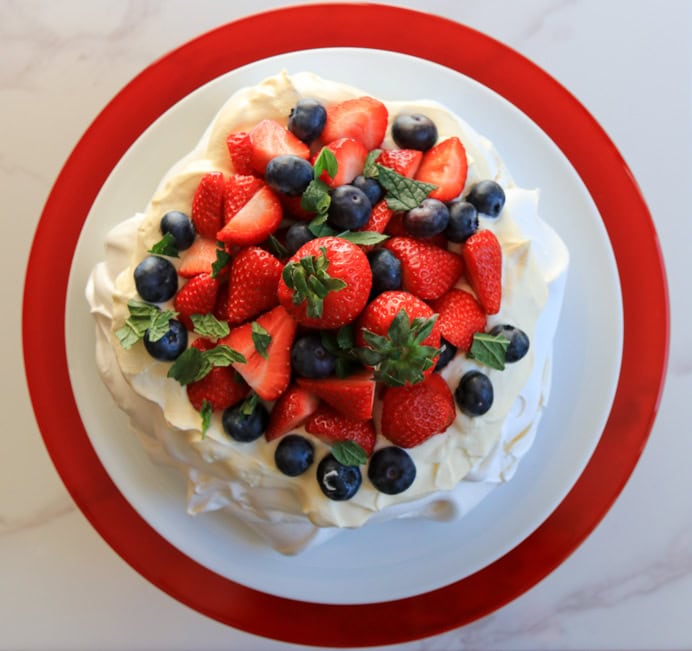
(522, 83)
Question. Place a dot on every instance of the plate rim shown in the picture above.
(502, 70)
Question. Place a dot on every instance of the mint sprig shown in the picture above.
(363, 237)
(349, 453)
(490, 350)
(261, 339)
(341, 345)
(143, 317)
(370, 169)
(194, 364)
(222, 259)
(326, 162)
(206, 413)
(402, 193)
(166, 246)
(207, 325)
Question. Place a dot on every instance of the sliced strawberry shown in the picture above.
(350, 156)
(482, 255)
(362, 118)
(197, 296)
(445, 166)
(270, 139)
(292, 208)
(427, 271)
(255, 221)
(199, 258)
(461, 316)
(222, 387)
(252, 285)
(380, 216)
(269, 376)
(352, 396)
(332, 427)
(207, 204)
(240, 188)
(404, 161)
(291, 410)
(240, 152)
(221, 305)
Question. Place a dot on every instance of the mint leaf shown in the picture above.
(160, 324)
(143, 317)
(349, 453)
(165, 246)
(316, 197)
(370, 169)
(326, 162)
(344, 337)
(403, 193)
(207, 325)
(190, 366)
(261, 338)
(489, 350)
(223, 355)
(222, 259)
(363, 237)
(206, 413)
(249, 405)
(279, 250)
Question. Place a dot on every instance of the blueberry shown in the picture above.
(429, 218)
(386, 271)
(349, 209)
(245, 427)
(294, 455)
(372, 188)
(307, 119)
(288, 174)
(179, 225)
(338, 482)
(309, 358)
(518, 341)
(414, 131)
(156, 279)
(171, 345)
(447, 352)
(474, 394)
(463, 220)
(297, 235)
(391, 470)
(488, 197)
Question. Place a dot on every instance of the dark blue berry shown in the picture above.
(297, 235)
(371, 187)
(386, 271)
(245, 427)
(488, 197)
(156, 279)
(447, 352)
(463, 220)
(179, 225)
(171, 345)
(309, 358)
(427, 219)
(288, 174)
(518, 341)
(414, 131)
(391, 470)
(338, 482)
(294, 455)
(474, 394)
(349, 208)
(307, 119)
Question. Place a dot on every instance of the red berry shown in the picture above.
(461, 316)
(270, 139)
(482, 255)
(352, 396)
(291, 410)
(252, 284)
(239, 190)
(404, 161)
(350, 157)
(197, 296)
(207, 204)
(445, 166)
(332, 427)
(380, 216)
(255, 221)
(222, 387)
(240, 152)
(363, 118)
(199, 258)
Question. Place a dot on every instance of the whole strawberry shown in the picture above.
(461, 316)
(483, 258)
(412, 414)
(197, 296)
(252, 285)
(207, 204)
(326, 283)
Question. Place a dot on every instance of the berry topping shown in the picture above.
(332, 427)
(240, 152)
(463, 221)
(294, 455)
(310, 359)
(403, 161)
(483, 259)
(197, 296)
(288, 174)
(445, 166)
(291, 410)
(363, 118)
(429, 218)
(307, 119)
(269, 139)
(199, 258)
(391, 470)
(353, 396)
(255, 221)
(380, 216)
(518, 341)
(474, 394)
(338, 482)
(447, 353)
(222, 388)
(297, 235)
(488, 197)
(156, 279)
(414, 131)
(207, 204)
(461, 316)
(373, 190)
(350, 157)
(245, 422)
(171, 345)
(179, 225)
(349, 208)
(240, 188)
(386, 271)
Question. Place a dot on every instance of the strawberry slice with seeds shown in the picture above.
(240, 188)
(332, 427)
(482, 255)
(255, 221)
(350, 156)
(240, 152)
(362, 118)
(352, 396)
(461, 316)
(380, 216)
(199, 258)
(269, 139)
(404, 161)
(197, 296)
(445, 166)
(291, 410)
(207, 204)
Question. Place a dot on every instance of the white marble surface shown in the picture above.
(628, 586)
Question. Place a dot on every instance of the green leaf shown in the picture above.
(143, 317)
(349, 453)
(207, 325)
(365, 238)
(190, 366)
(128, 335)
(222, 259)
(249, 405)
(403, 193)
(279, 250)
(370, 169)
(223, 355)
(489, 350)
(316, 197)
(165, 246)
(344, 337)
(206, 413)
(160, 324)
(326, 162)
(261, 338)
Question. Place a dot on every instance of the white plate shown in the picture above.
(398, 559)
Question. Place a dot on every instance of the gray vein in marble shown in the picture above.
(42, 516)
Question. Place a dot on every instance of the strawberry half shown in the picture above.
(404, 161)
(445, 166)
(269, 139)
(197, 296)
(199, 258)
(240, 188)
(363, 118)
(461, 316)
(207, 204)
(252, 285)
(380, 216)
(352, 396)
(255, 221)
(291, 410)
(269, 376)
(332, 427)
(240, 152)
(350, 156)
(483, 258)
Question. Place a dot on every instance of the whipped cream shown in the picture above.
(455, 470)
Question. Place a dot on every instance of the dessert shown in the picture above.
(336, 310)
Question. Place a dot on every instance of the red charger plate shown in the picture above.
(584, 143)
